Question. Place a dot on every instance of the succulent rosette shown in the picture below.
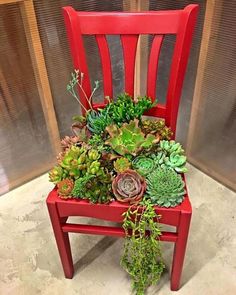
(143, 165)
(65, 187)
(129, 186)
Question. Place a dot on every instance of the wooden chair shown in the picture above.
(129, 26)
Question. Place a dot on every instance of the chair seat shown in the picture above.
(114, 210)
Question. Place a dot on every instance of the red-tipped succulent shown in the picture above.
(129, 186)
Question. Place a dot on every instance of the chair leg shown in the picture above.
(63, 242)
(179, 251)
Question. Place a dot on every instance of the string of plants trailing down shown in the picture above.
(116, 154)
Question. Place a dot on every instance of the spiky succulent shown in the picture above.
(144, 165)
(95, 189)
(129, 139)
(97, 121)
(129, 186)
(156, 126)
(122, 164)
(57, 174)
(65, 187)
(165, 187)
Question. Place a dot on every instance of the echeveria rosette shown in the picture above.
(177, 162)
(129, 186)
(165, 187)
(144, 165)
(171, 146)
(129, 139)
(64, 188)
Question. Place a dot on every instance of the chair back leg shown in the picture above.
(62, 239)
(179, 250)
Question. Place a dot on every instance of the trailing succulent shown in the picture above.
(129, 139)
(165, 187)
(116, 154)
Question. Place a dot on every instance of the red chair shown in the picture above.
(129, 26)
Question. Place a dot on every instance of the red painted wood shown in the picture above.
(106, 65)
(153, 66)
(179, 63)
(147, 22)
(129, 26)
(129, 45)
(109, 231)
(77, 51)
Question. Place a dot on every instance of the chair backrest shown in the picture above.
(129, 25)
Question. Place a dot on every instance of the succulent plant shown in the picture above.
(159, 158)
(165, 187)
(97, 121)
(97, 142)
(177, 162)
(122, 164)
(95, 189)
(128, 186)
(65, 187)
(171, 146)
(128, 139)
(144, 165)
(57, 174)
(68, 141)
(156, 127)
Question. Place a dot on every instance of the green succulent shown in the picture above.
(97, 142)
(123, 110)
(171, 146)
(156, 126)
(121, 165)
(128, 139)
(177, 162)
(144, 165)
(159, 158)
(97, 121)
(57, 174)
(165, 187)
(95, 189)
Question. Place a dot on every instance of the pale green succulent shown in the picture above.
(171, 146)
(129, 139)
(165, 187)
(177, 162)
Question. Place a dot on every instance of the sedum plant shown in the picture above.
(129, 139)
(156, 127)
(165, 187)
(95, 189)
(128, 186)
(142, 257)
(121, 164)
(57, 174)
(144, 165)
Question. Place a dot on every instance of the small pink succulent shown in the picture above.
(129, 186)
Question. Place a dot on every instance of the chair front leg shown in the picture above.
(63, 242)
(179, 250)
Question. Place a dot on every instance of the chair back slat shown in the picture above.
(119, 23)
(129, 45)
(106, 66)
(153, 65)
(129, 25)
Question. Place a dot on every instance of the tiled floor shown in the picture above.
(29, 261)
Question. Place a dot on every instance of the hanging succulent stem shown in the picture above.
(77, 79)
